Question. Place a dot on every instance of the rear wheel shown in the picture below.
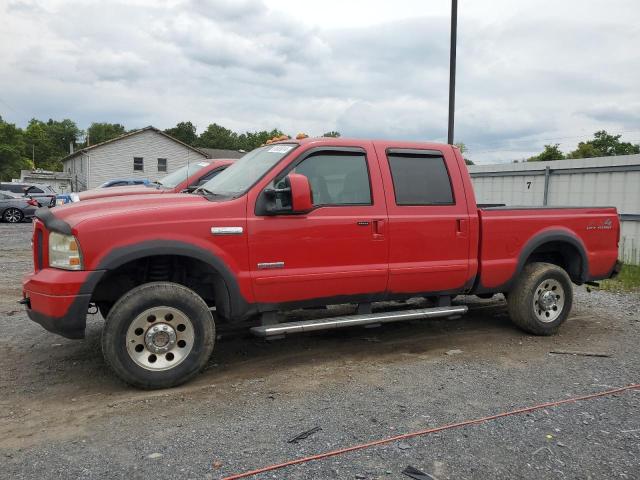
(541, 299)
(13, 215)
(158, 335)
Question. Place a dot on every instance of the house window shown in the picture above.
(162, 164)
(138, 164)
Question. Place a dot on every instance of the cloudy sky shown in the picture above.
(530, 72)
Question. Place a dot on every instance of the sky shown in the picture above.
(530, 72)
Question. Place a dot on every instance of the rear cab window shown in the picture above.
(420, 177)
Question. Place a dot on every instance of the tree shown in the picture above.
(216, 136)
(101, 132)
(250, 140)
(184, 131)
(463, 148)
(12, 147)
(604, 145)
(550, 152)
(332, 134)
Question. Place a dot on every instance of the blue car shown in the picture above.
(63, 198)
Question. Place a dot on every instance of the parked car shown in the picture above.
(43, 194)
(184, 179)
(15, 208)
(123, 182)
(304, 223)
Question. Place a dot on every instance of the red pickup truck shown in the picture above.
(303, 224)
(186, 178)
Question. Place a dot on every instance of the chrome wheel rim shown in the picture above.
(160, 338)
(548, 300)
(12, 215)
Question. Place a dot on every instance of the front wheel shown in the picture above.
(158, 335)
(13, 215)
(541, 299)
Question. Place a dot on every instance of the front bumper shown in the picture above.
(58, 299)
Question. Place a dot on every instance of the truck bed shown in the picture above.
(509, 235)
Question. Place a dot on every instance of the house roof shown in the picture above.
(222, 153)
(130, 134)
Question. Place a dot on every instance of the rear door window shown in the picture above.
(420, 179)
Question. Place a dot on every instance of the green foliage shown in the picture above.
(47, 143)
(604, 145)
(101, 132)
(331, 134)
(185, 132)
(216, 136)
(550, 152)
(628, 279)
(12, 147)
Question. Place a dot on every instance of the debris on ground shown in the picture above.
(417, 474)
(453, 352)
(581, 354)
(304, 435)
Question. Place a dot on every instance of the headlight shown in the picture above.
(75, 197)
(64, 252)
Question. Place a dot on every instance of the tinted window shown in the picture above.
(138, 164)
(337, 178)
(205, 178)
(35, 190)
(118, 184)
(15, 188)
(420, 180)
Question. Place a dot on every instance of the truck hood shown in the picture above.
(119, 191)
(74, 213)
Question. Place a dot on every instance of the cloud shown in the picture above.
(528, 71)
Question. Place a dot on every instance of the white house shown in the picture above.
(146, 153)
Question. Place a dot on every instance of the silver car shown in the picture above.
(15, 208)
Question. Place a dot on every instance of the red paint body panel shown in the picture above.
(146, 190)
(330, 254)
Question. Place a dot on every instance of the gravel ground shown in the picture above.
(65, 415)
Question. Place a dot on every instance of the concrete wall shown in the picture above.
(604, 181)
(115, 159)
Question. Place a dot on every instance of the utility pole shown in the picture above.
(452, 69)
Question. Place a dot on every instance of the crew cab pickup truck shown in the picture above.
(186, 178)
(298, 224)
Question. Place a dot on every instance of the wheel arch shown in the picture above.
(118, 263)
(559, 247)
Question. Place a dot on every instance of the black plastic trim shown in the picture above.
(53, 223)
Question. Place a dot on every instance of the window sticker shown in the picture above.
(280, 149)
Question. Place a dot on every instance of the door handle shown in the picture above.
(378, 229)
(462, 227)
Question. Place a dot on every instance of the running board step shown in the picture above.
(356, 320)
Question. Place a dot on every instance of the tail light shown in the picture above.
(32, 202)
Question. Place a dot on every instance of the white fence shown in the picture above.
(603, 181)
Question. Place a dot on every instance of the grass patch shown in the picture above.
(628, 280)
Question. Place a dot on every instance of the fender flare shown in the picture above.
(237, 305)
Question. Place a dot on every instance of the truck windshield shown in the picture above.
(240, 176)
(180, 175)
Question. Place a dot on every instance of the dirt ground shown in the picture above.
(65, 415)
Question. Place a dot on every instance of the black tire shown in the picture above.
(131, 307)
(532, 302)
(13, 215)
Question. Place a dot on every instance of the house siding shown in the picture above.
(115, 159)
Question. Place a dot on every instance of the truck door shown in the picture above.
(428, 220)
(339, 250)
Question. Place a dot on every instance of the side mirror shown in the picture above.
(292, 196)
(301, 201)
